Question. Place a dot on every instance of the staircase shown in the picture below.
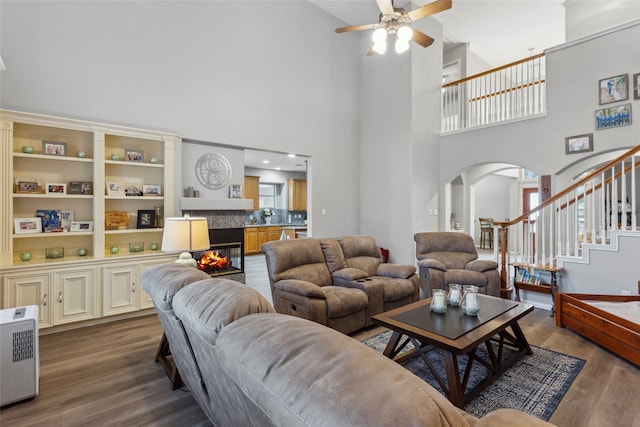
(589, 231)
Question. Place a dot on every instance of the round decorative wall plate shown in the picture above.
(213, 170)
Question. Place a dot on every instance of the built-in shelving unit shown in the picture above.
(89, 153)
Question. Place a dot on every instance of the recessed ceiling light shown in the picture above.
(265, 161)
(291, 155)
(277, 169)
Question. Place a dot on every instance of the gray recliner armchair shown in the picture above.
(449, 257)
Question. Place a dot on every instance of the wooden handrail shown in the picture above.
(505, 289)
(537, 82)
(493, 70)
(569, 189)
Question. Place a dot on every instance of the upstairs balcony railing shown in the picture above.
(587, 212)
(509, 92)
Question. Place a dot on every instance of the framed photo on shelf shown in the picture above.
(75, 187)
(579, 143)
(81, 226)
(235, 191)
(146, 219)
(133, 155)
(51, 148)
(613, 117)
(636, 86)
(133, 190)
(56, 188)
(115, 189)
(51, 221)
(613, 89)
(66, 218)
(28, 185)
(27, 225)
(152, 190)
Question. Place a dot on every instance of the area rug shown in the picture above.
(535, 384)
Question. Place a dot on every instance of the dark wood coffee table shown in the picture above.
(456, 334)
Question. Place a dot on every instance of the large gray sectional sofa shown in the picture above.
(249, 366)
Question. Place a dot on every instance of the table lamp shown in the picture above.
(185, 234)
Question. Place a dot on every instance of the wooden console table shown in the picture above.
(544, 288)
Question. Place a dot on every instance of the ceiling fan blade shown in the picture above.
(429, 9)
(385, 6)
(421, 38)
(356, 28)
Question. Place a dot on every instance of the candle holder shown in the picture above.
(136, 246)
(470, 304)
(54, 252)
(455, 295)
(438, 301)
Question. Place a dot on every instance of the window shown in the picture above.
(268, 196)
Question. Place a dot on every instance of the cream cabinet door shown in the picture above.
(24, 289)
(75, 295)
(145, 299)
(120, 289)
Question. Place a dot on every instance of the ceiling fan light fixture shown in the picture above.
(401, 46)
(405, 33)
(379, 35)
(380, 47)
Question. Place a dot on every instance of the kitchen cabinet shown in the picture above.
(251, 241)
(297, 200)
(252, 190)
(255, 237)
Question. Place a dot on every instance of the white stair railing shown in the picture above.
(509, 92)
(585, 213)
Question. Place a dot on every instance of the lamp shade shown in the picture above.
(185, 234)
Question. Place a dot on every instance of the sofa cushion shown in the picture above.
(302, 373)
(361, 252)
(395, 289)
(333, 255)
(344, 301)
(465, 277)
(300, 259)
(207, 306)
(401, 271)
(163, 281)
(452, 259)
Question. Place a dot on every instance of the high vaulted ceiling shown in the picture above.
(498, 31)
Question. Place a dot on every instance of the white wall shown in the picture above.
(492, 195)
(538, 144)
(400, 112)
(277, 78)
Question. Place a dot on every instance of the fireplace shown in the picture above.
(226, 254)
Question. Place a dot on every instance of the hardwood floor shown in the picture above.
(105, 375)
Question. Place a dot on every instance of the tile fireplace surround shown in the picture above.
(222, 219)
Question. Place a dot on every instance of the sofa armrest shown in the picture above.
(400, 271)
(348, 275)
(511, 418)
(431, 263)
(300, 287)
(481, 265)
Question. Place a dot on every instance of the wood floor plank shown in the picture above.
(104, 375)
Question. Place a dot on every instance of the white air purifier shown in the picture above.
(18, 354)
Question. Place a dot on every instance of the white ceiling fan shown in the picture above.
(396, 20)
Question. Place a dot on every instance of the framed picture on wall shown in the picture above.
(636, 86)
(579, 143)
(613, 117)
(613, 89)
(235, 191)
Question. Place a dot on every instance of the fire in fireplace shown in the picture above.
(226, 254)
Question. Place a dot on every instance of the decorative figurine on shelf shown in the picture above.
(27, 149)
(25, 256)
